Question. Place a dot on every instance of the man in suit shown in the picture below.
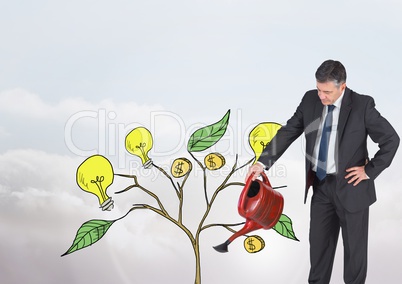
(336, 122)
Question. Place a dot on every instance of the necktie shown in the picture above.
(323, 152)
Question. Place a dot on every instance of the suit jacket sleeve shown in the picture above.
(284, 137)
(382, 133)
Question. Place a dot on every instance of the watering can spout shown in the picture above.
(260, 204)
(248, 227)
(222, 247)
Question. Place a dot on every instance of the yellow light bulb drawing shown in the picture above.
(95, 175)
(138, 142)
(261, 135)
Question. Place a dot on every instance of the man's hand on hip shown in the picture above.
(356, 175)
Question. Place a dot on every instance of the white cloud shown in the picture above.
(25, 104)
(29, 121)
(45, 207)
(101, 127)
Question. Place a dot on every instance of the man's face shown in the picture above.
(328, 92)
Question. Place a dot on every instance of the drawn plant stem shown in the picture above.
(204, 176)
(170, 178)
(194, 239)
(136, 184)
(201, 140)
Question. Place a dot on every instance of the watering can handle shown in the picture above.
(264, 179)
(243, 195)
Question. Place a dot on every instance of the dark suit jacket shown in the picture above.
(358, 119)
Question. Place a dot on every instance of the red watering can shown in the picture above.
(260, 204)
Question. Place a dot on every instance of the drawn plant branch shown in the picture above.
(96, 174)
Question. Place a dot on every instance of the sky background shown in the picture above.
(76, 76)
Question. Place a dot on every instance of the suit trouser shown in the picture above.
(327, 217)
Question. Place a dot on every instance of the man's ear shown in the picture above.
(343, 86)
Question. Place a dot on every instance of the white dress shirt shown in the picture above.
(331, 165)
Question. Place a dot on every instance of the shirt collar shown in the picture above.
(338, 102)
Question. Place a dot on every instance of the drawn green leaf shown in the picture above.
(207, 136)
(285, 228)
(89, 233)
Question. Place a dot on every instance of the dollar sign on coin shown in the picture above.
(180, 167)
(250, 245)
(214, 161)
(254, 244)
(211, 162)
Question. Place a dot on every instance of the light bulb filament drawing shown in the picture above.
(141, 147)
(98, 183)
